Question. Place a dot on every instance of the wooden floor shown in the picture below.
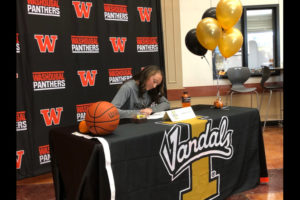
(41, 187)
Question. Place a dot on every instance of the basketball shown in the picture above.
(102, 118)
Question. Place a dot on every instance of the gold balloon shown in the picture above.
(230, 42)
(228, 13)
(208, 33)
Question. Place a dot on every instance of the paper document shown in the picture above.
(157, 115)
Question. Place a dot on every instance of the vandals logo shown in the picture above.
(195, 154)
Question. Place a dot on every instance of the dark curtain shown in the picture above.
(70, 54)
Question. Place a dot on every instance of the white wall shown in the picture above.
(195, 70)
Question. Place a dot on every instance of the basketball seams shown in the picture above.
(101, 133)
(104, 112)
(94, 119)
(90, 115)
(93, 116)
(96, 110)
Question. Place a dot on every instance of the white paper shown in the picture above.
(181, 114)
(157, 115)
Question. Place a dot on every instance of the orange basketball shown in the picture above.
(102, 118)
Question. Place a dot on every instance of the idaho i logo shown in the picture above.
(195, 155)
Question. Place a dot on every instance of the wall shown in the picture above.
(185, 70)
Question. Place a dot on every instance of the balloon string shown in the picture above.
(206, 61)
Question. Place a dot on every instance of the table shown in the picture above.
(214, 156)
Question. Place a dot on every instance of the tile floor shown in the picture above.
(273, 140)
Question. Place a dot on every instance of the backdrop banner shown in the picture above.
(70, 54)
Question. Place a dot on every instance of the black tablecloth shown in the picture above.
(140, 171)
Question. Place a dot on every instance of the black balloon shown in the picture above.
(211, 12)
(193, 44)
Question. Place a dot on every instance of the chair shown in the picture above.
(266, 73)
(238, 76)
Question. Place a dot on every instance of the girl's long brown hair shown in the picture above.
(142, 78)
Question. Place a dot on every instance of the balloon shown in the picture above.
(228, 13)
(230, 42)
(208, 33)
(211, 12)
(193, 44)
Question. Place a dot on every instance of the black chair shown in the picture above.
(238, 76)
(266, 73)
